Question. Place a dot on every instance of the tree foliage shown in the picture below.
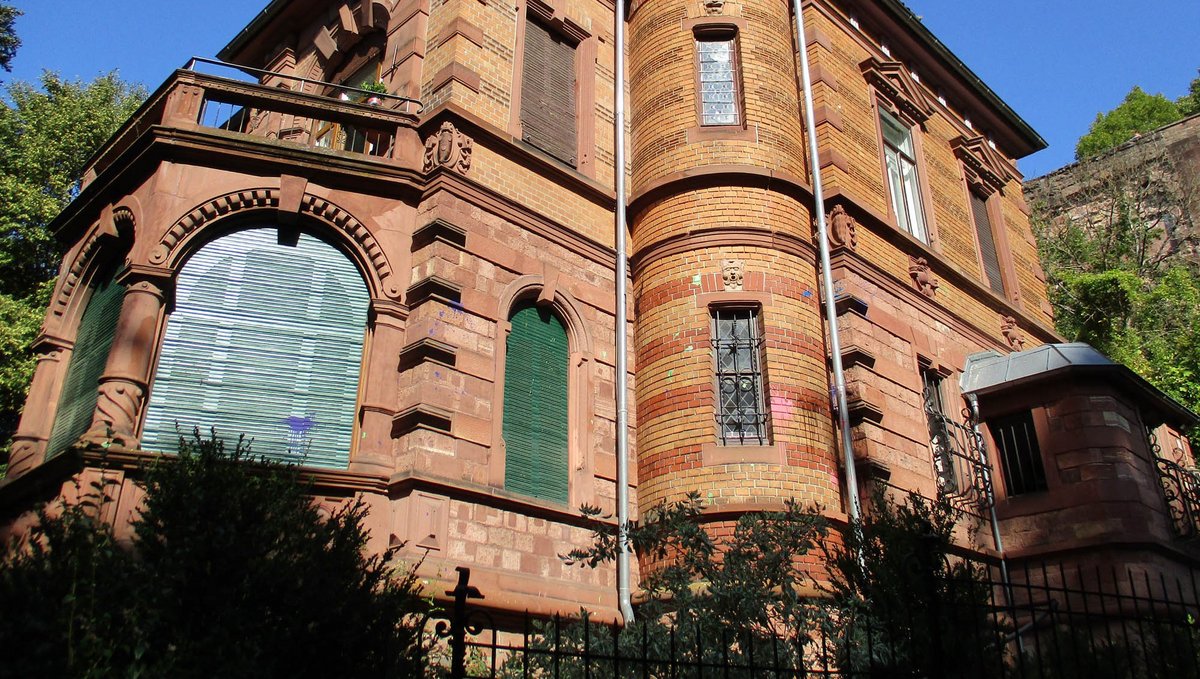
(780, 587)
(1118, 241)
(1189, 104)
(232, 572)
(894, 579)
(9, 42)
(1137, 114)
(47, 132)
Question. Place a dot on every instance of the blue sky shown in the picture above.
(1056, 62)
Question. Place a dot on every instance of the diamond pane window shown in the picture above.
(741, 406)
(718, 82)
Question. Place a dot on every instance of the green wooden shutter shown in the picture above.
(92, 342)
(535, 405)
(266, 340)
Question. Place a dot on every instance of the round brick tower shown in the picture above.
(732, 387)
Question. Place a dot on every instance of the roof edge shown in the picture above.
(913, 23)
(256, 24)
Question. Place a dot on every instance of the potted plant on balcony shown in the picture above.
(373, 86)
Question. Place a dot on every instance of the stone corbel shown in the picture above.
(1012, 333)
(924, 280)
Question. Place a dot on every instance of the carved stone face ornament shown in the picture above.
(732, 274)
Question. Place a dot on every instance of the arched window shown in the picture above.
(535, 404)
(93, 340)
(265, 340)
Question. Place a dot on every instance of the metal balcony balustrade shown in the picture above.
(1181, 491)
(267, 106)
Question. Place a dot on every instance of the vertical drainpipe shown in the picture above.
(622, 369)
(854, 507)
(973, 404)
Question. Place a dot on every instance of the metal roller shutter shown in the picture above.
(548, 92)
(266, 340)
(987, 244)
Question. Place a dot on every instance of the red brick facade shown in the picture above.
(453, 217)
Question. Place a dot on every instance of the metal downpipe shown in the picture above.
(624, 599)
(854, 508)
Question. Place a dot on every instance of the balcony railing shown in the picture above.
(1181, 490)
(274, 107)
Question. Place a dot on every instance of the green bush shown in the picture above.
(232, 572)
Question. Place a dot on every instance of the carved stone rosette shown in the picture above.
(1012, 333)
(843, 229)
(449, 148)
(732, 274)
(923, 278)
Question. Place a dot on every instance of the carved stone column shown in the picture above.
(381, 387)
(29, 443)
(126, 377)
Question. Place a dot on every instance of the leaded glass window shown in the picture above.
(903, 182)
(741, 406)
(718, 82)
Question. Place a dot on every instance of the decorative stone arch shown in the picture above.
(281, 205)
(110, 236)
(543, 288)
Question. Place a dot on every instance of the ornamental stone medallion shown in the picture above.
(449, 148)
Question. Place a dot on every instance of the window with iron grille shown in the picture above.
(935, 414)
(741, 404)
(548, 92)
(903, 182)
(1020, 455)
(717, 61)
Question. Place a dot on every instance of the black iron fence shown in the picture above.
(1039, 622)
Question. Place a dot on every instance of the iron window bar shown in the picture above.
(963, 476)
(1020, 454)
(741, 404)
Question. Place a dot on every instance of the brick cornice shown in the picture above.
(220, 151)
(466, 189)
(717, 175)
(724, 236)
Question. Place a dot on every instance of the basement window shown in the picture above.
(1019, 453)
